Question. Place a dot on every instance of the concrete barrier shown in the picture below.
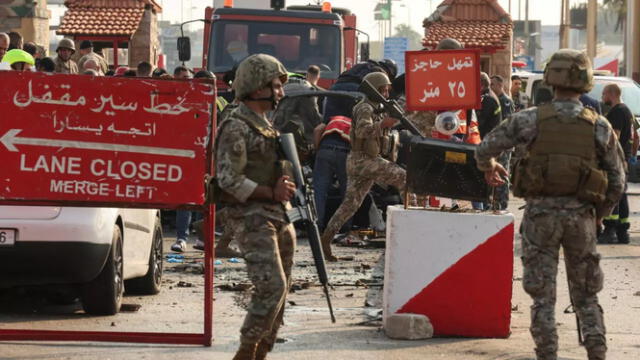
(455, 268)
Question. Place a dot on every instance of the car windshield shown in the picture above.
(297, 46)
(630, 92)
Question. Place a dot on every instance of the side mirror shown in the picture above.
(184, 48)
(364, 51)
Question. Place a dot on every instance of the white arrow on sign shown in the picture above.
(10, 139)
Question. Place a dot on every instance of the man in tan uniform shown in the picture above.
(87, 53)
(64, 64)
(365, 165)
(571, 177)
(250, 172)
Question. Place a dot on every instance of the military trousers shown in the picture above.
(268, 247)
(362, 172)
(543, 233)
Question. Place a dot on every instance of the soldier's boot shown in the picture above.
(622, 233)
(326, 250)
(608, 235)
(597, 352)
(263, 349)
(541, 355)
(247, 351)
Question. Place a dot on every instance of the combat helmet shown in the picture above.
(66, 44)
(256, 72)
(449, 44)
(569, 69)
(376, 79)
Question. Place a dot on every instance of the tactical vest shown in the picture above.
(373, 146)
(264, 166)
(340, 125)
(562, 159)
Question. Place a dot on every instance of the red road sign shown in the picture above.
(442, 80)
(103, 140)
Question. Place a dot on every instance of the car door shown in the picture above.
(138, 232)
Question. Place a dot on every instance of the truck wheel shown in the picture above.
(103, 295)
(151, 282)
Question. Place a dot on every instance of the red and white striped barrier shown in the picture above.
(455, 268)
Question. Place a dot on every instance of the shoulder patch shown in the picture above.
(588, 115)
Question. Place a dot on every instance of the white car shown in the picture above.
(630, 89)
(91, 253)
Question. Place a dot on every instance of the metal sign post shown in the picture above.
(70, 140)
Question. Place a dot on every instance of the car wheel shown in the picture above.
(150, 283)
(103, 295)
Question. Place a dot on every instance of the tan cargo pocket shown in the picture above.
(533, 275)
(593, 187)
(563, 175)
(594, 277)
(371, 148)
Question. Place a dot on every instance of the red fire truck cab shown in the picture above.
(299, 36)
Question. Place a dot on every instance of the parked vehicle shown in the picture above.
(298, 36)
(90, 253)
(630, 89)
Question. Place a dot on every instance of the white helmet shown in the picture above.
(448, 122)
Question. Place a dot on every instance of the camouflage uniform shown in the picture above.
(363, 170)
(501, 193)
(425, 121)
(246, 157)
(551, 222)
(104, 66)
(65, 67)
(265, 236)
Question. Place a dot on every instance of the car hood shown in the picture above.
(29, 212)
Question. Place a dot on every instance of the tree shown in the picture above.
(619, 7)
(414, 37)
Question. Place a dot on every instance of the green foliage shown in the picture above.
(415, 38)
(619, 9)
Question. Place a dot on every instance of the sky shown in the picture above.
(414, 11)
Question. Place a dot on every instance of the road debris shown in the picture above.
(130, 307)
(185, 284)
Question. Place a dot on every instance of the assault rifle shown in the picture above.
(304, 209)
(391, 107)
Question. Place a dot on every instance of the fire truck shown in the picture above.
(299, 36)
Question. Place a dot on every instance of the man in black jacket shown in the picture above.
(617, 225)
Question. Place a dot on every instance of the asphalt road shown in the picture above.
(308, 333)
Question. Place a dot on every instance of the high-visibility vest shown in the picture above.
(221, 103)
(340, 125)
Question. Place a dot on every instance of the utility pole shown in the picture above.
(565, 24)
(390, 18)
(526, 26)
(519, 9)
(592, 39)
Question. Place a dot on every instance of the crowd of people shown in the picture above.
(569, 167)
(571, 175)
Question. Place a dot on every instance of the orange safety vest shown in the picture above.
(471, 133)
(340, 125)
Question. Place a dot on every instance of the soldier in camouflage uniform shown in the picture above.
(365, 165)
(249, 169)
(572, 176)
